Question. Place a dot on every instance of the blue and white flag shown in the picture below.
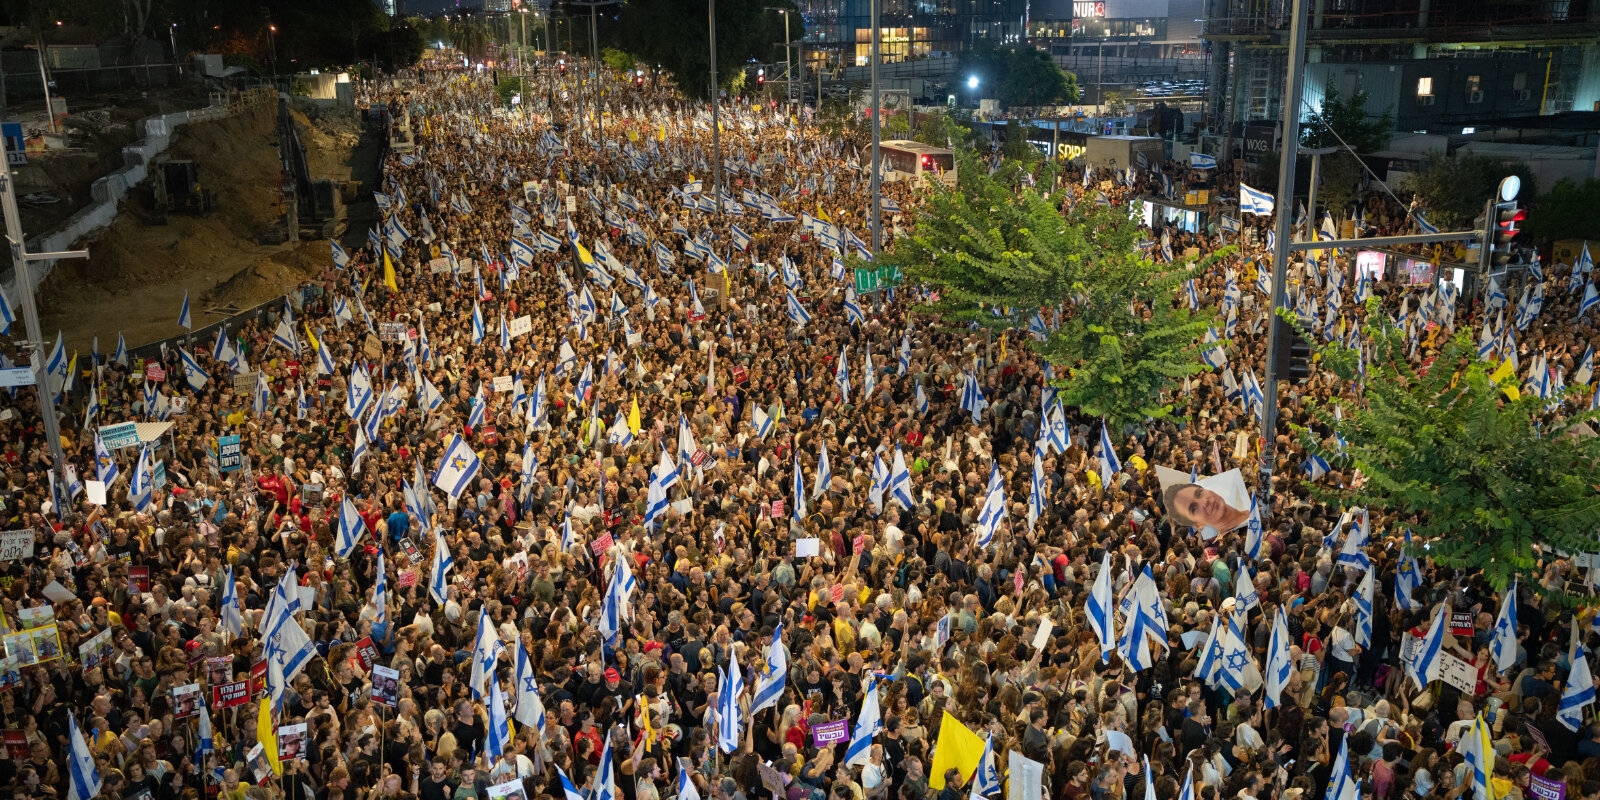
(486, 649)
(1427, 665)
(1503, 639)
(900, 481)
(972, 399)
(457, 467)
(1252, 201)
(867, 724)
(773, 678)
(139, 488)
(993, 509)
(824, 474)
(1202, 161)
(1101, 609)
(231, 616)
(1342, 784)
(184, 320)
(1365, 595)
(351, 526)
(729, 721)
(1279, 664)
(921, 400)
(1109, 463)
(797, 313)
(498, 738)
(105, 467)
(83, 773)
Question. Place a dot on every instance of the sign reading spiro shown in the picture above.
(1064, 150)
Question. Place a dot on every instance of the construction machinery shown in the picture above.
(176, 186)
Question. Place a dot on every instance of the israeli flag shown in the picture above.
(867, 725)
(797, 313)
(139, 489)
(457, 467)
(1579, 693)
(824, 474)
(1202, 161)
(1279, 663)
(1101, 608)
(1503, 639)
(900, 481)
(1109, 463)
(351, 526)
(341, 259)
(1365, 594)
(1315, 466)
(1231, 224)
(1423, 224)
(184, 320)
(729, 722)
(993, 509)
(972, 399)
(1252, 201)
(841, 375)
(81, 768)
(921, 401)
(1426, 666)
(852, 308)
(771, 682)
(439, 569)
(1342, 785)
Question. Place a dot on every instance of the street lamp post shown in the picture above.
(594, 55)
(877, 113)
(716, 123)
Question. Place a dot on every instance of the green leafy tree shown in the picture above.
(1341, 182)
(675, 35)
(1567, 211)
(897, 126)
(1488, 483)
(993, 241)
(470, 35)
(940, 129)
(1347, 119)
(1456, 188)
(1017, 75)
(616, 59)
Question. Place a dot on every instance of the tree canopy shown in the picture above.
(1484, 479)
(1567, 211)
(675, 35)
(1456, 188)
(1000, 251)
(1017, 75)
(1346, 119)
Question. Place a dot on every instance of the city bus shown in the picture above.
(913, 161)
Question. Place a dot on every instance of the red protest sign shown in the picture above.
(366, 654)
(740, 375)
(602, 544)
(228, 695)
(154, 372)
(838, 594)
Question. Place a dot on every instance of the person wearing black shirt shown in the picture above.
(468, 727)
(437, 785)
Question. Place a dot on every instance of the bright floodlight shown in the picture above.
(972, 81)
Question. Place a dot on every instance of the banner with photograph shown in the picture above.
(1219, 502)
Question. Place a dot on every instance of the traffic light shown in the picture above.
(1291, 360)
(1507, 216)
(562, 63)
(761, 76)
(638, 77)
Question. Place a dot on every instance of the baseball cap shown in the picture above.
(613, 675)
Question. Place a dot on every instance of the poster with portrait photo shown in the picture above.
(1212, 505)
(186, 701)
(10, 673)
(36, 617)
(510, 790)
(385, 686)
(260, 767)
(292, 741)
(96, 651)
(219, 670)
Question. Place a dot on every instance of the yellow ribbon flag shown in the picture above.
(662, 136)
(957, 747)
(1499, 377)
(583, 254)
(633, 416)
(823, 215)
(645, 728)
(267, 735)
(388, 273)
(310, 337)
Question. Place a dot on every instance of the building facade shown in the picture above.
(1436, 67)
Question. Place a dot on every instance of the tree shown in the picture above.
(470, 35)
(994, 242)
(942, 130)
(1567, 211)
(1017, 75)
(1484, 481)
(896, 126)
(675, 35)
(616, 59)
(1455, 189)
(1347, 120)
(1341, 181)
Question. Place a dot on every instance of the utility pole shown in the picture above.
(21, 260)
(877, 113)
(1280, 257)
(716, 120)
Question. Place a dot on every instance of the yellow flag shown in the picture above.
(267, 735)
(823, 215)
(1501, 375)
(388, 273)
(584, 255)
(957, 747)
(315, 346)
(633, 416)
(645, 727)
(633, 136)
(662, 136)
(1002, 348)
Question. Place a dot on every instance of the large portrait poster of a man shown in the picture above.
(1213, 504)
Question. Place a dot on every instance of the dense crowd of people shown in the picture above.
(346, 607)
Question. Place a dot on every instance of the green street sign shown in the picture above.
(875, 278)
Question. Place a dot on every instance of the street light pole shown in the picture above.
(716, 120)
(1280, 255)
(20, 264)
(877, 113)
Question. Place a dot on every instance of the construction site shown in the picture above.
(210, 221)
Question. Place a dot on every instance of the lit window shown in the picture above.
(1425, 87)
(1474, 83)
